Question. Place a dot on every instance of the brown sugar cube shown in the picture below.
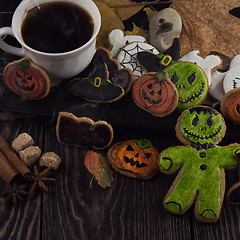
(22, 141)
(50, 159)
(30, 155)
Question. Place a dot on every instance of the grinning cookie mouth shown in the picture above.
(238, 109)
(196, 95)
(134, 163)
(202, 137)
(25, 88)
(151, 101)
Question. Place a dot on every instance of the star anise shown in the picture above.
(14, 193)
(39, 179)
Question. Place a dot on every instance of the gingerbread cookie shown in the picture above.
(122, 77)
(191, 83)
(216, 89)
(157, 62)
(201, 177)
(223, 82)
(127, 56)
(155, 93)
(97, 87)
(233, 194)
(230, 106)
(118, 40)
(134, 158)
(164, 27)
(26, 79)
(83, 132)
(232, 78)
(207, 64)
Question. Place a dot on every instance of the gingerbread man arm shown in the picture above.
(172, 158)
(228, 158)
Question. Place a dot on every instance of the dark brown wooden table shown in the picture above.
(130, 209)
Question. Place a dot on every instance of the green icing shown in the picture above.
(98, 81)
(191, 83)
(167, 59)
(200, 174)
(143, 143)
(24, 64)
(206, 126)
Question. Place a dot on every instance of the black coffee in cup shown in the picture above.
(57, 27)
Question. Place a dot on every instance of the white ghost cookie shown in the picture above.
(232, 77)
(118, 40)
(216, 90)
(127, 56)
(164, 27)
(207, 64)
(223, 82)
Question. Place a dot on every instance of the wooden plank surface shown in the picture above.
(130, 209)
(24, 222)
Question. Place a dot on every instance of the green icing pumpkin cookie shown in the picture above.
(201, 177)
(191, 83)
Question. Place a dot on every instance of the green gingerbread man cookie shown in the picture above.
(201, 177)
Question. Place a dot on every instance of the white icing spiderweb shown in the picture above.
(128, 57)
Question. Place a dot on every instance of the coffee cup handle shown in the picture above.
(6, 47)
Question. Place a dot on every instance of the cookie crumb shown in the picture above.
(22, 141)
(50, 159)
(30, 155)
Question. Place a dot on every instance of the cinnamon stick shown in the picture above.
(7, 171)
(13, 157)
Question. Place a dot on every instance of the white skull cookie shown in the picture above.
(164, 27)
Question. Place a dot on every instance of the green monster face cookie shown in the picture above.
(191, 83)
(201, 125)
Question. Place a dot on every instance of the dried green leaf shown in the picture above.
(99, 167)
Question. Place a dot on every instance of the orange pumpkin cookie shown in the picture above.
(230, 105)
(134, 158)
(155, 93)
(26, 79)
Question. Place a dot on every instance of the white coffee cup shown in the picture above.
(57, 65)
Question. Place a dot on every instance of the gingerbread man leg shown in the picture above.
(180, 198)
(208, 204)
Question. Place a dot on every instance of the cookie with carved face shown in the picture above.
(155, 93)
(201, 178)
(134, 158)
(191, 83)
(230, 106)
(208, 64)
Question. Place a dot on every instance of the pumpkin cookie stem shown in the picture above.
(161, 76)
(24, 64)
